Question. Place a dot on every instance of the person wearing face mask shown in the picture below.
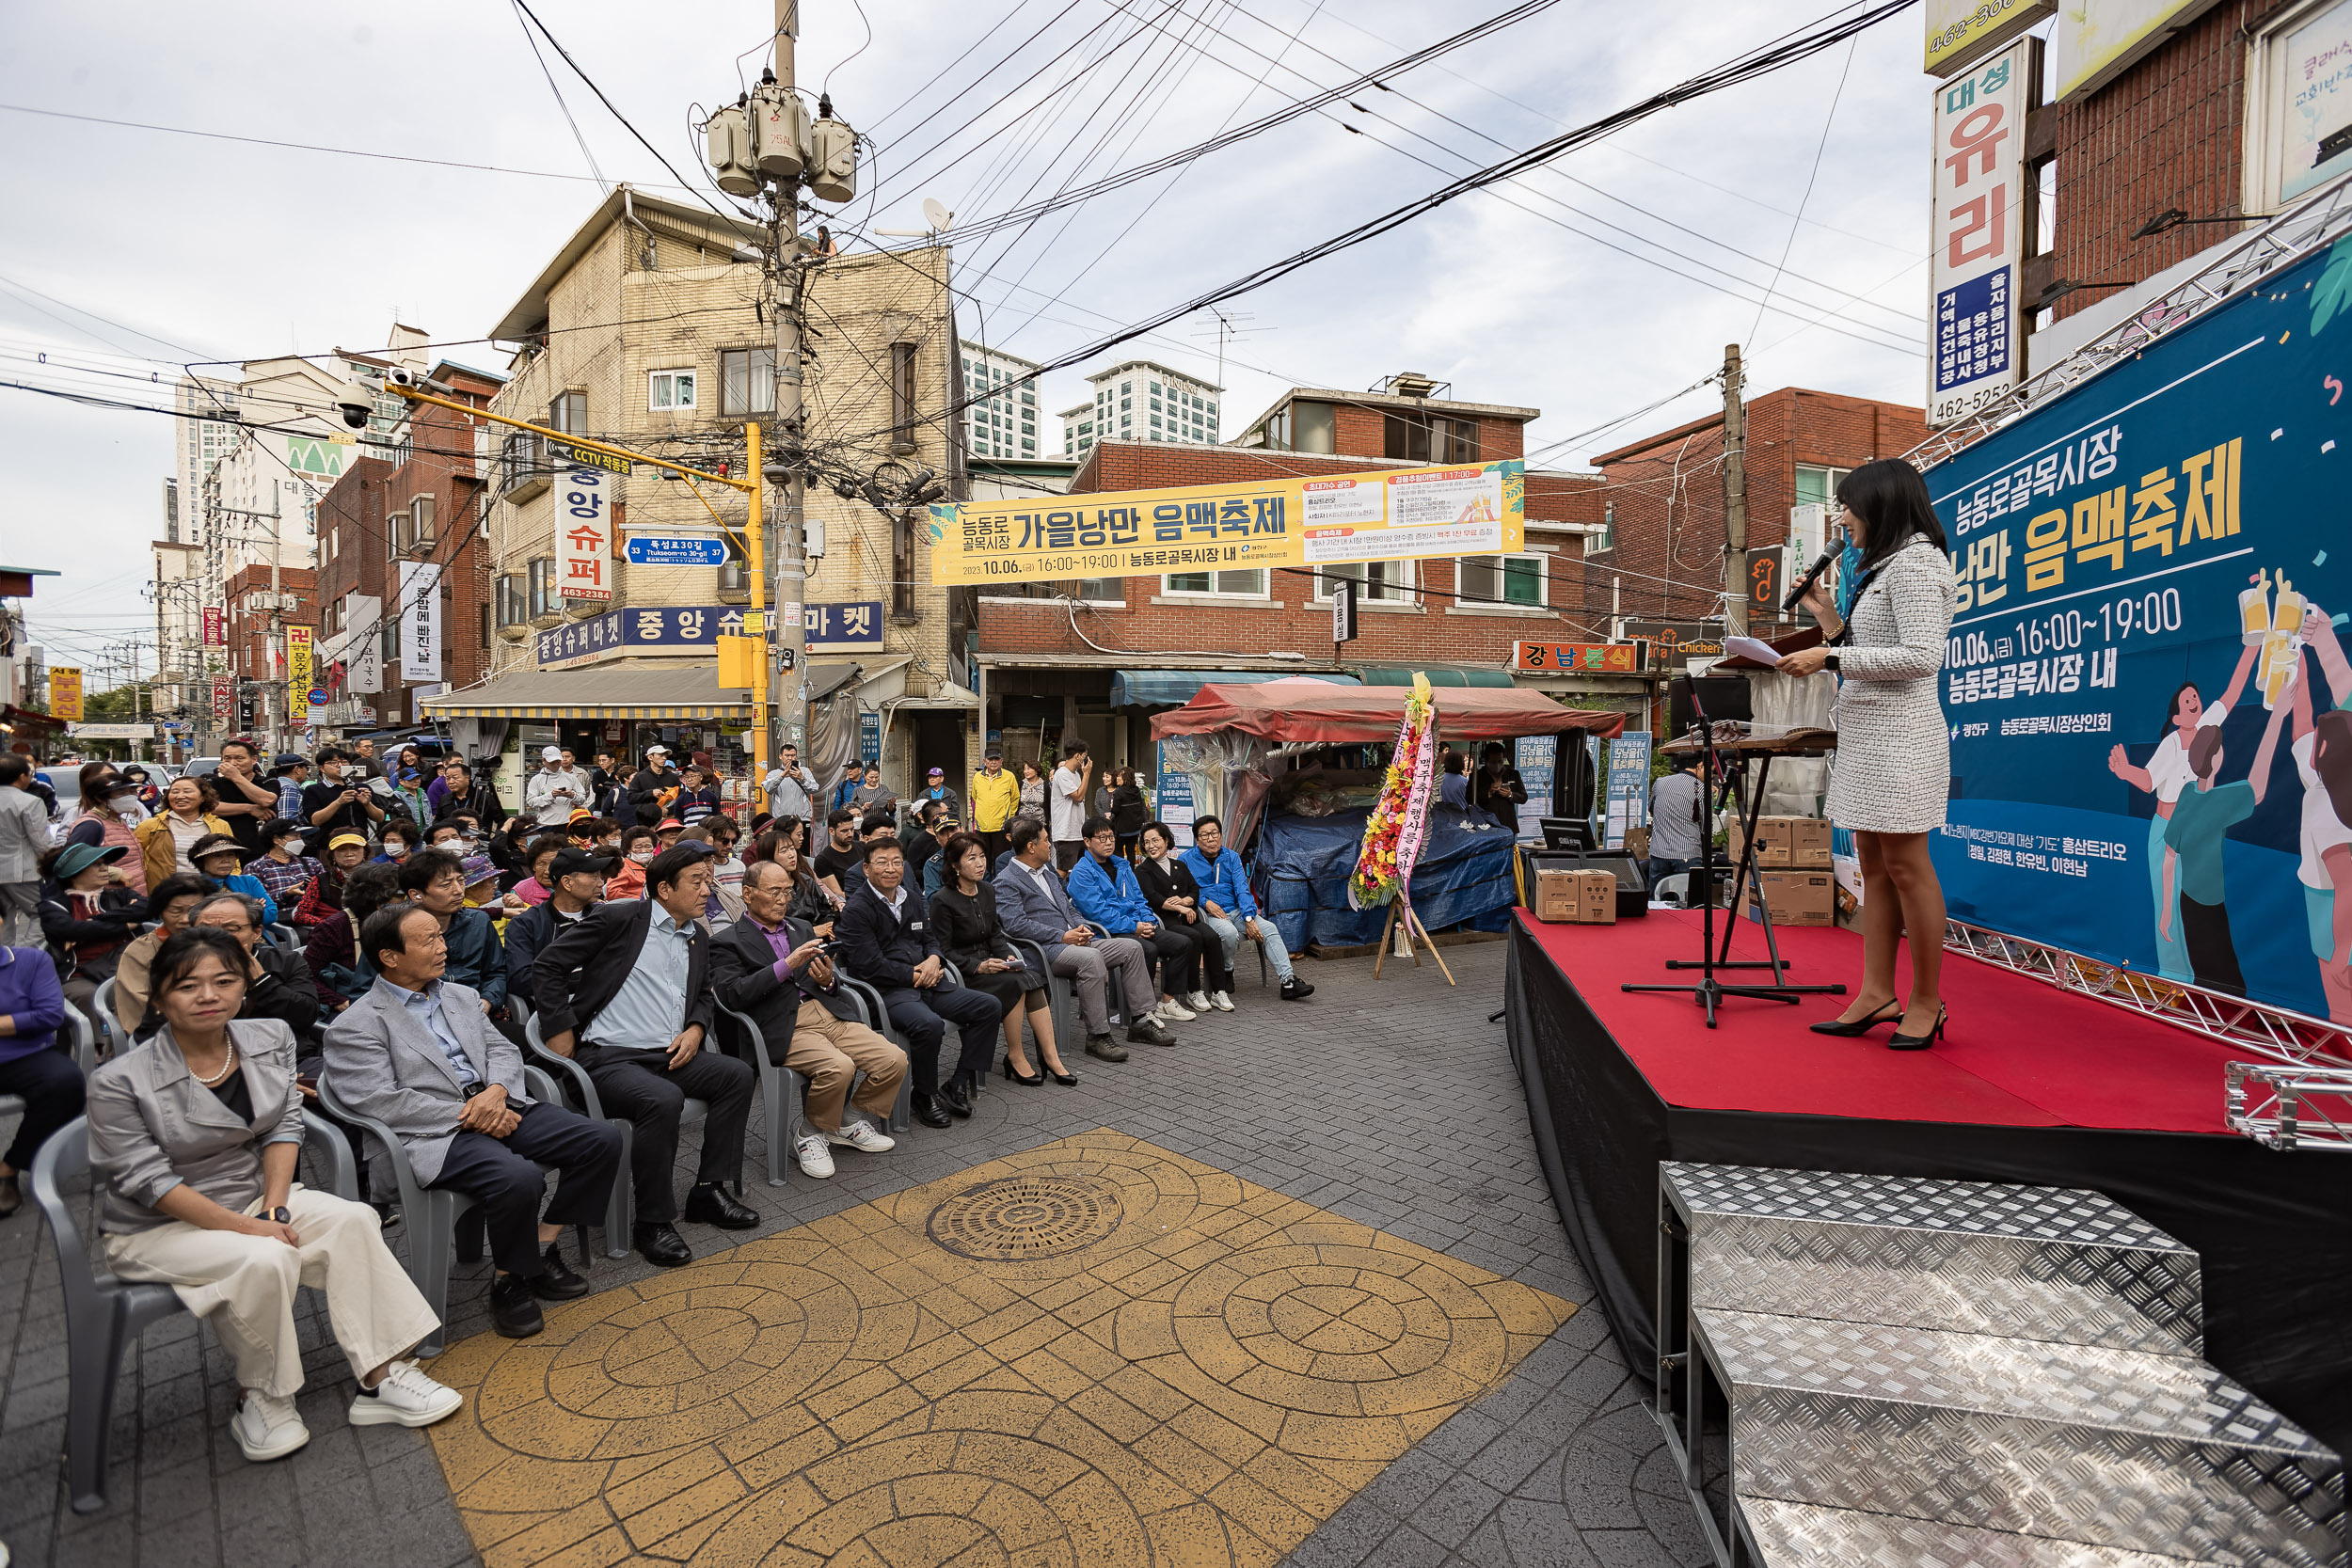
(638, 847)
(337, 803)
(284, 869)
(324, 897)
(110, 818)
(395, 844)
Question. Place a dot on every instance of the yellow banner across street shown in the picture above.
(1282, 520)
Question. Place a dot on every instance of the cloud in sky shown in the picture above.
(1514, 294)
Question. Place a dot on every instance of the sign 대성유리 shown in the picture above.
(1976, 230)
(1282, 520)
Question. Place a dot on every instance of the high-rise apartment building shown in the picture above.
(1003, 424)
(1141, 400)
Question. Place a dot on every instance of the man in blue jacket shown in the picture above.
(1232, 914)
(888, 941)
(1104, 887)
(435, 880)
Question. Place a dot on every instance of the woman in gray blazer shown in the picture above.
(197, 1132)
(1892, 773)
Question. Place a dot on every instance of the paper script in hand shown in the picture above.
(1750, 648)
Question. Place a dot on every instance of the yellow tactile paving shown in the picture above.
(1096, 1351)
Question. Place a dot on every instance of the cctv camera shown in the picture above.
(355, 402)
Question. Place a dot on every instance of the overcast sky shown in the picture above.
(204, 250)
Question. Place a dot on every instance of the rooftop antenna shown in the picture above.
(1229, 324)
(936, 215)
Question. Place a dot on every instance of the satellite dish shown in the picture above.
(936, 215)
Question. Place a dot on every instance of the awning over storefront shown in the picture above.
(676, 694)
(1313, 711)
(1440, 675)
(1175, 688)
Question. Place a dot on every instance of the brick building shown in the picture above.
(2205, 126)
(1640, 540)
(1661, 556)
(425, 506)
(258, 617)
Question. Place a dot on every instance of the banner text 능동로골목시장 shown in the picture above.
(2146, 687)
(1282, 520)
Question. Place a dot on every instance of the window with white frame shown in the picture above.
(670, 390)
(1376, 582)
(1512, 580)
(1249, 583)
(1817, 485)
(2298, 109)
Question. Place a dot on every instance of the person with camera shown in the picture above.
(775, 971)
(338, 802)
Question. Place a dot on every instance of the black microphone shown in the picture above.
(1812, 576)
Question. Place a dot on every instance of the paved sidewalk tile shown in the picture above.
(870, 1376)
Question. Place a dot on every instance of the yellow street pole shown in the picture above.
(755, 553)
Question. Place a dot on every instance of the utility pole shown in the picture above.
(277, 549)
(789, 677)
(1735, 497)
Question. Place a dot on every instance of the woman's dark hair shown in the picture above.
(517, 826)
(545, 843)
(368, 889)
(180, 954)
(634, 832)
(91, 772)
(1167, 834)
(958, 845)
(2172, 708)
(184, 884)
(1891, 500)
(2331, 758)
(1031, 764)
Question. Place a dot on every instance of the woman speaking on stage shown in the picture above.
(1891, 771)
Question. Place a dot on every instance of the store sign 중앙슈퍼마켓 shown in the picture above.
(1976, 233)
(584, 534)
(1282, 520)
(688, 630)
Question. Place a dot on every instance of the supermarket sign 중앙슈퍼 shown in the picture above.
(1280, 520)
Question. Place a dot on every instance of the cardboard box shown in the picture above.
(1577, 898)
(1809, 842)
(1797, 898)
(1771, 842)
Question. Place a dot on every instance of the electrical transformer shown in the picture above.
(728, 137)
(833, 161)
(779, 131)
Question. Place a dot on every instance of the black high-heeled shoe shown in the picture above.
(1030, 1082)
(1861, 1025)
(1060, 1076)
(1920, 1042)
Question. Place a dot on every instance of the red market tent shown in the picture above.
(1306, 710)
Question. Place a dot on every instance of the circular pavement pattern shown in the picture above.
(1016, 1218)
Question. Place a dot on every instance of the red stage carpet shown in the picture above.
(2017, 1053)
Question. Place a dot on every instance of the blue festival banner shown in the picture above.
(2146, 684)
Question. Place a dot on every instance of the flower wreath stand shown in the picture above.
(1396, 832)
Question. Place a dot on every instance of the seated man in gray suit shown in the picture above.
(416, 1053)
(1035, 906)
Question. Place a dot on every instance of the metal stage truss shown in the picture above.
(2284, 1107)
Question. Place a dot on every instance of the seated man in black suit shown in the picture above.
(627, 993)
(887, 943)
(772, 969)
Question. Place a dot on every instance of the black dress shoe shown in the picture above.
(557, 1282)
(513, 1313)
(662, 1246)
(715, 1205)
(931, 1111)
(957, 1098)
(1148, 1032)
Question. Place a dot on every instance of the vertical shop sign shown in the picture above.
(1978, 234)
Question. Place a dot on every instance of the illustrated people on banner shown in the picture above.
(2190, 900)
(2165, 775)
(2323, 761)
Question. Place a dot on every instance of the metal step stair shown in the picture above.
(2150, 1453)
(1903, 1371)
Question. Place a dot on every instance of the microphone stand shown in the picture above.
(1709, 993)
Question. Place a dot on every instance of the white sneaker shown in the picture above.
(407, 1397)
(814, 1157)
(1170, 1009)
(1221, 1001)
(267, 1426)
(1199, 1000)
(859, 1134)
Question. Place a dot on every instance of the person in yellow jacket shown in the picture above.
(165, 838)
(996, 801)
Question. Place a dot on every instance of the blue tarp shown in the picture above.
(1304, 864)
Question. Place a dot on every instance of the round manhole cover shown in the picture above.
(1020, 1217)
